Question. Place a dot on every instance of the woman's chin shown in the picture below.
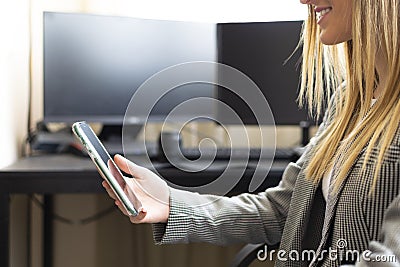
(328, 39)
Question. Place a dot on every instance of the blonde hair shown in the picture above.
(355, 124)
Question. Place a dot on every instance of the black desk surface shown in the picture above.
(52, 174)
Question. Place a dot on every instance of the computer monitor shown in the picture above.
(93, 64)
(260, 50)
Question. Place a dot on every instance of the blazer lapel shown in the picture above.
(332, 201)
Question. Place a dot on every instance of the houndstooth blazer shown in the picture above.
(353, 227)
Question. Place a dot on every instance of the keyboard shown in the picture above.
(226, 153)
(222, 153)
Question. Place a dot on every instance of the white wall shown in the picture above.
(14, 84)
(14, 77)
(206, 10)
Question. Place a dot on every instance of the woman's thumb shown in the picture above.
(128, 166)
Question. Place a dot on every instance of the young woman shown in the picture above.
(343, 194)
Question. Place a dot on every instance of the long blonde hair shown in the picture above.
(355, 125)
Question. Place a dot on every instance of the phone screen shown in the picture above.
(107, 167)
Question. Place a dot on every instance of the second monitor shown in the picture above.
(260, 50)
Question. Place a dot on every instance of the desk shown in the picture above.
(55, 174)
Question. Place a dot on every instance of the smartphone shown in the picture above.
(107, 167)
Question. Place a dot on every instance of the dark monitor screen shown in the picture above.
(260, 50)
(94, 64)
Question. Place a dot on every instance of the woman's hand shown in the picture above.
(147, 187)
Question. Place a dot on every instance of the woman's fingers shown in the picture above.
(147, 192)
(121, 207)
(134, 219)
(129, 167)
(139, 218)
(108, 189)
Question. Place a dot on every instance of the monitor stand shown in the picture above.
(110, 133)
(111, 136)
(305, 132)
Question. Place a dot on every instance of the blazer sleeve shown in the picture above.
(386, 252)
(250, 218)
